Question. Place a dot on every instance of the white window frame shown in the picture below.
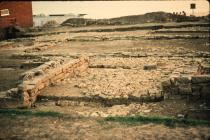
(4, 12)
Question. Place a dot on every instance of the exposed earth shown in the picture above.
(127, 65)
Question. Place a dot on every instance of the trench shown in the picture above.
(102, 101)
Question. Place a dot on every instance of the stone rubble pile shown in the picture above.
(138, 78)
(49, 73)
(137, 85)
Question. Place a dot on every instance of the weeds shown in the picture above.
(167, 121)
(17, 112)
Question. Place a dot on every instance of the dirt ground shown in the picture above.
(115, 83)
(89, 128)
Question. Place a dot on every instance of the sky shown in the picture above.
(110, 9)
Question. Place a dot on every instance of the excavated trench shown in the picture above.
(118, 83)
(153, 66)
(105, 102)
(123, 79)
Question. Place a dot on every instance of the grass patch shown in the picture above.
(17, 112)
(167, 121)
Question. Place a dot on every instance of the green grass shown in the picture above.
(130, 120)
(18, 112)
(167, 121)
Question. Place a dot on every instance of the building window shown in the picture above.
(4, 12)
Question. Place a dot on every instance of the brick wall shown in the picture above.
(20, 14)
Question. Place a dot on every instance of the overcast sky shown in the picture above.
(109, 9)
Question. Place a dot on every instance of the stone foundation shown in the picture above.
(49, 73)
(194, 85)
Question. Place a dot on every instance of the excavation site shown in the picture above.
(142, 77)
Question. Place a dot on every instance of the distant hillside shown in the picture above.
(157, 17)
(153, 17)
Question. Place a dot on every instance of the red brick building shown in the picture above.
(17, 13)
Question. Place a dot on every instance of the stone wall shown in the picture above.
(193, 86)
(48, 73)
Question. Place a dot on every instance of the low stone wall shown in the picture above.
(194, 85)
(44, 75)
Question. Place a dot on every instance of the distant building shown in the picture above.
(17, 13)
